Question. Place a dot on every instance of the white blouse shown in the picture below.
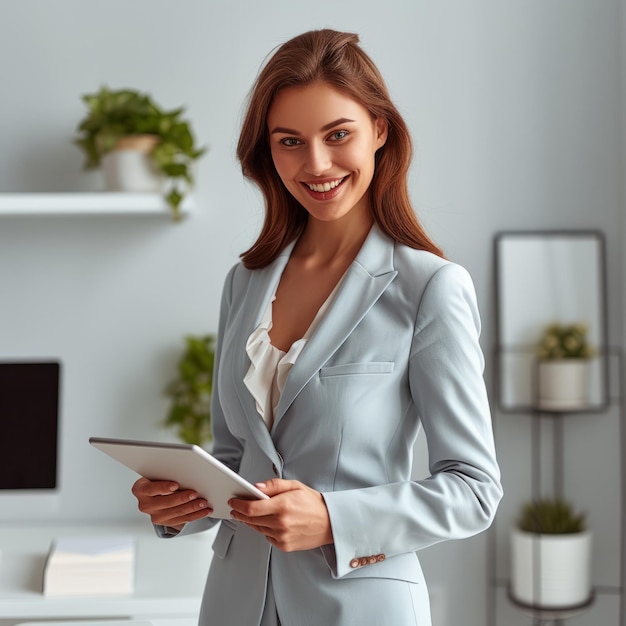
(269, 366)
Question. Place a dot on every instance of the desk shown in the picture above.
(169, 575)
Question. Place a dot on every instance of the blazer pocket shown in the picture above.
(350, 369)
(222, 540)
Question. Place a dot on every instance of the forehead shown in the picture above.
(312, 106)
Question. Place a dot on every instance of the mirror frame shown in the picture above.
(527, 351)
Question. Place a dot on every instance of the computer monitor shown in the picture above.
(29, 426)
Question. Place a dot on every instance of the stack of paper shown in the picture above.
(85, 566)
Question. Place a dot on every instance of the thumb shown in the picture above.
(275, 486)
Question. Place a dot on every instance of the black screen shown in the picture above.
(29, 417)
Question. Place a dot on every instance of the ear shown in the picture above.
(381, 127)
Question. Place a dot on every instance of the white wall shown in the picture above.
(516, 114)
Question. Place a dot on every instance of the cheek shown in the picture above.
(284, 164)
(360, 157)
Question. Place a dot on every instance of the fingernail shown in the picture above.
(261, 485)
(173, 487)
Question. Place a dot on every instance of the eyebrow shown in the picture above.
(290, 131)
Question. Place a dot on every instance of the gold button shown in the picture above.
(380, 557)
(354, 563)
(363, 560)
(372, 560)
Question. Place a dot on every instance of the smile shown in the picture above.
(325, 187)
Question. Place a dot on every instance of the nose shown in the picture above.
(318, 159)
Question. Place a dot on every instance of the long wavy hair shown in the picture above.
(336, 59)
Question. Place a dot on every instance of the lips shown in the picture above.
(325, 190)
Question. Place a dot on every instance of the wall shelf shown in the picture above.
(87, 203)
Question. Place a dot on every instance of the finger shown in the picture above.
(146, 487)
(274, 486)
(182, 515)
(252, 508)
(174, 500)
(180, 520)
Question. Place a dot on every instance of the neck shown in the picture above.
(328, 241)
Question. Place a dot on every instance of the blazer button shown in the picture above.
(380, 557)
(354, 563)
(372, 559)
(363, 560)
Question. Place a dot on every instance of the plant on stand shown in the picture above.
(190, 392)
(550, 556)
(563, 376)
(140, 146)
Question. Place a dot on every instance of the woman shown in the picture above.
(343, 331)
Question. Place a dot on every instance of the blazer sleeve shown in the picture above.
(226, 447)
(461, 495)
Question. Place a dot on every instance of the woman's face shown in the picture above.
(323, 145)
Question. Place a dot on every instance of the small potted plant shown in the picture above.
(563, 377)
(190, 392)
(550, 556)
(140, 146)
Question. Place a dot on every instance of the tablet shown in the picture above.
(188, 465)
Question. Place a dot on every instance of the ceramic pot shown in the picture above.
(128, 167)
(563, 384)
(551, 571)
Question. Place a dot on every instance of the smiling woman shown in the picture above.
(342, 333)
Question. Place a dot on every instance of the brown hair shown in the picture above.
(336, 59)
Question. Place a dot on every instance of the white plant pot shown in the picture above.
(551, 571)
(563, 384)
(129, 168)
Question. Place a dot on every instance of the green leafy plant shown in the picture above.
(562, 341)
(190, 392)
(550, 517)
(114, 114)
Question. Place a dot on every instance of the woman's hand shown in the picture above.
(294, 518)
(167, 505)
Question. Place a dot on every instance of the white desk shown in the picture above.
(170, 575)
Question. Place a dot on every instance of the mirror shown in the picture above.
(542, 278)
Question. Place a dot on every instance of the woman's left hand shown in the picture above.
(294, 518)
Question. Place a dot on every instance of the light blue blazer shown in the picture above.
(396, 351)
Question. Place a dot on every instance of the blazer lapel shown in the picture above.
(366, 279)
(257, 298)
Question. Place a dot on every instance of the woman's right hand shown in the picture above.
(167, 505)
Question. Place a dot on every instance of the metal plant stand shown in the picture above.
(556, 421)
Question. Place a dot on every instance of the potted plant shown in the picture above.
(563, 377)
(551, 556)
(190, 392)
(140, 146)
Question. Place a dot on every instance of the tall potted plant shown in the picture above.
(551, 556)
(140, 146)
(563, 373)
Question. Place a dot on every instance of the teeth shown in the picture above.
(325, 186)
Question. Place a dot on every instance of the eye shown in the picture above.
(289, 142)
(338, 135)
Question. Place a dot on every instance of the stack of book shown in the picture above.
(85, 566)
